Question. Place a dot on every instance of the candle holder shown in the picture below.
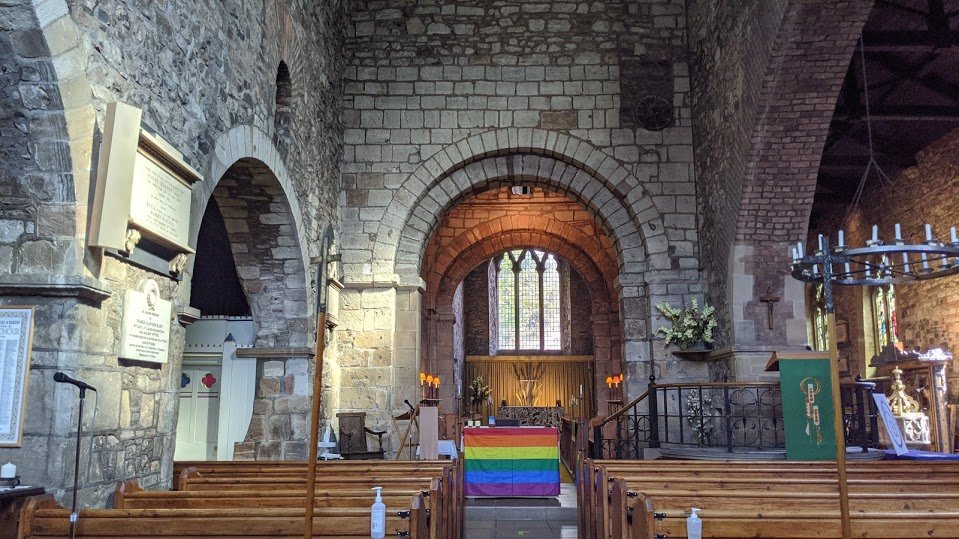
(877, 263)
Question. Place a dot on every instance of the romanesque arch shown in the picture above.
(488, 159)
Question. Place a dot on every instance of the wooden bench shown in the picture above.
(764, 499)
(444, 492)
(440, 480)
(43, 517)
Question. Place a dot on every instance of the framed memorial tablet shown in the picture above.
(16, 343)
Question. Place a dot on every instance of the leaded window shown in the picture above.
(528, 301)
(819, 321)
(885, 322)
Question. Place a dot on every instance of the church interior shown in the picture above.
(537, 268)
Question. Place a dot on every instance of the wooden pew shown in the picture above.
(129, 495)
(759, 499)
(43, 517)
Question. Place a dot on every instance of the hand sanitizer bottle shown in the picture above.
(694, 525)
(378, 516)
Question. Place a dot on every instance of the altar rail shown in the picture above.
(732, 416)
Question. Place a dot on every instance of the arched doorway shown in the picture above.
(249, 282)
(500, 267)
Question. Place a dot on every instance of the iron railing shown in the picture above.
(728, 416)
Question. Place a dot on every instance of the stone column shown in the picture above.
(754, 273)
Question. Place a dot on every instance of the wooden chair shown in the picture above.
(353, 432)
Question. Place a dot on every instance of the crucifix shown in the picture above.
(769, 299)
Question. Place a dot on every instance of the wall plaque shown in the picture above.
(143, 190)
(145, 330)
(16, 342)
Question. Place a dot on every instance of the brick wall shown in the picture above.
(793, 60)
(730, 46)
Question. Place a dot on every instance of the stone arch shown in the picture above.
(248, 142)
(560, 161)
(604, 314)
(459, 257)
(485, 248)
(804, 73)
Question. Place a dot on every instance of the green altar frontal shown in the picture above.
(806, 388)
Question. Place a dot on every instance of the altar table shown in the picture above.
(511, 461)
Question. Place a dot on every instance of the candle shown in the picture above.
(795, 255)
(928, 232)
(580, 389)
(925, 263)
(875, 232)
(842, 238)
(848, 272)
(8, 471)
(820, 243)
(952, 235)
(898, 233)
(905, 262)
(799, 245)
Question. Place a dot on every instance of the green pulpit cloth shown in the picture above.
(806, 387)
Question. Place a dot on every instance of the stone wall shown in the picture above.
(730, 45)
(446, 99)
(794, 57)
(204, 75)
(928, 312)
(280, 426)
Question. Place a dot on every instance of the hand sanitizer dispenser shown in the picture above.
(694, 525)
(378, 516)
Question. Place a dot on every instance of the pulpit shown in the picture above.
(353, 432)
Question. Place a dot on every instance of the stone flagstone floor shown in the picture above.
(536, 518)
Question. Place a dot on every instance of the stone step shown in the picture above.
(538, 512)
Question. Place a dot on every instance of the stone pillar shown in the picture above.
(442, 360)
(406, 350)
(754, 273)
(279, 427)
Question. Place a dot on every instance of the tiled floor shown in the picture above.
(536, 518)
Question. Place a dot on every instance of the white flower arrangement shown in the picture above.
(689, 325)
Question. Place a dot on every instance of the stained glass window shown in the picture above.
(885, 321)
(819, 321)
(528, 296)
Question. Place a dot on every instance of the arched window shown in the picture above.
(528, 301)
(283, 115)
(819, 323)
(885, 322)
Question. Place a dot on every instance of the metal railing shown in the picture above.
(728, 416)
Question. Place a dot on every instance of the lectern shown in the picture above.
(807, 400)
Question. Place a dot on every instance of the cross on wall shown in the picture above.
(769, 299)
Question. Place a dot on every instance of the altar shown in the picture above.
(511, 461)
(532, 416)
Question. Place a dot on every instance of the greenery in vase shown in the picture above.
(478, 391)
(689, 325)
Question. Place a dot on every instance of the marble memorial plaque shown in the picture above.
(145, 330)
(161, 202)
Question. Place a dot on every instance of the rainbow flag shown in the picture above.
(511, 461)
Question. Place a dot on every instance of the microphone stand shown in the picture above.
(74, 517)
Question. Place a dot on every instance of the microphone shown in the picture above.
(407, 401)
(64, 379)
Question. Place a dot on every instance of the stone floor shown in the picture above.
(537, 518)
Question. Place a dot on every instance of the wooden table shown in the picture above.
(511, 461)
